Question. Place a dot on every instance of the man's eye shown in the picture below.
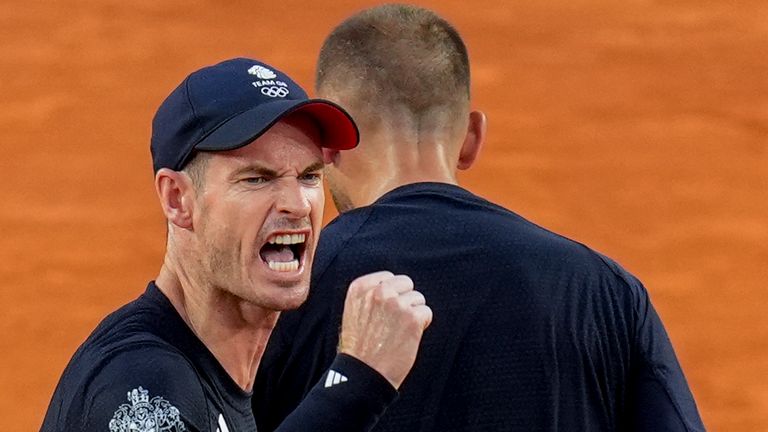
(312, 178)
(255, 180)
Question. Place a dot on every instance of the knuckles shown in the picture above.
(395, 296)
(383, 294)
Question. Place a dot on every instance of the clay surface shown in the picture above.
(638, 127)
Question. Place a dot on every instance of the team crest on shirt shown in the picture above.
(143, 414)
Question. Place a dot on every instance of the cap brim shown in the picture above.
(338, 130)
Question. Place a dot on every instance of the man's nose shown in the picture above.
(292, 200)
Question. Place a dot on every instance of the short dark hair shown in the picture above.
(397, 55)
(196, 168)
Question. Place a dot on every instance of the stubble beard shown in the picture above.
(222, 266)
(227, 271)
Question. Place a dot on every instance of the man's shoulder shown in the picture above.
(124, 365)
(347, 221)
(431, 215)
(450, 228)
(143, 336)
(136, 323)
(338, 233)
(105, 385)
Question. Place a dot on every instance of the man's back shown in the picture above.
(532, 331)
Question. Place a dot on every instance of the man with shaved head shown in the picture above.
(532, 331)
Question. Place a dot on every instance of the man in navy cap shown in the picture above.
(237, 155)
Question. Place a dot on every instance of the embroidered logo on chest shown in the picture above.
(146, 415)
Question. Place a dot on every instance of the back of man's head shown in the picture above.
(397, 60)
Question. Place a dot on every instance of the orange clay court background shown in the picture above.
(639, 127)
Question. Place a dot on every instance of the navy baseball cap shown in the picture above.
(230, 104)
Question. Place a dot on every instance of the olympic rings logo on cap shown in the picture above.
(274, 91)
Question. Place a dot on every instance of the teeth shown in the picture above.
(287, 239)
(284, 266)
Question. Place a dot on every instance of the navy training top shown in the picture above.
(531, 332)
(143, 369)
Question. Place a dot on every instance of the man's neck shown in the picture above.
(403, 171)
(234, 331)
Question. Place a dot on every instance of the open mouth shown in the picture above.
(284, 252)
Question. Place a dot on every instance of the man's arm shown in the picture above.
(384, 320)
(659, 397)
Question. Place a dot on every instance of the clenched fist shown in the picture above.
(384, 319)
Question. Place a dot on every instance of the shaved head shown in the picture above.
(397, 60)
(402, 72)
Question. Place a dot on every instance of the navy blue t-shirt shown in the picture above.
(531, 332)
(143, 369)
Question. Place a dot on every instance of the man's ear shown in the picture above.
(177, 196)
(473, 142)
(330, 155)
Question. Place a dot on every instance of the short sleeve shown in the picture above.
(659, 396)
(144, 387)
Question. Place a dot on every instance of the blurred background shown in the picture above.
(638, 127)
